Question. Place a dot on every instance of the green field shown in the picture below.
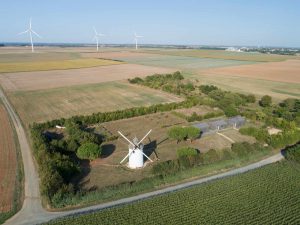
(221, 54)
(10, 67)
(181, 62)
(269, 195)
(43, 105)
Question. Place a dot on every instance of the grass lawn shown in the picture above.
(269, 195)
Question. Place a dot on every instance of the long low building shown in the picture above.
(220, 124)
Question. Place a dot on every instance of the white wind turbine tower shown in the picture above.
(30, 31)
(97, 37)
(136, 37)
(135, 154)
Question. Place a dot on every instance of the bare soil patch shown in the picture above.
(62, 78)
(8, 161)
(286, 71)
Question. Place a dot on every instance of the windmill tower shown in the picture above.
(135, 153)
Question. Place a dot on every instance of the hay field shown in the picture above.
(43, 105)
(6, 57)
(259, 87)
(286, 71)
(11, 67)
(8, 162)
(61, 78)
(222, 54)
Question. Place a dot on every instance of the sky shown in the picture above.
(186, 22)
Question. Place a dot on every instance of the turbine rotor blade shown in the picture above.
(144, 137)
(24, 32)
(35, 33)
(95, 31)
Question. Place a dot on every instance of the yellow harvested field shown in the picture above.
(62, 78)
(286, 71)
(11, 67)
(55, 103)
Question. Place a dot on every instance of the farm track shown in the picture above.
(32, 211)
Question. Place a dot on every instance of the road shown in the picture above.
(32, 211)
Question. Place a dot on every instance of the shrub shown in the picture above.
(265, 101)
(293, 153)
(177, 133)
(211, 156)
(89, 151)
(192, 133)
(186, 151)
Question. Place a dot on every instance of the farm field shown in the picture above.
(25, 81)
(259, 87)
(11, 67)
(157, 147)
(171, 61)
(286, 71)
(221, 54)
(256, 197)
(44, 105)
(8, 162)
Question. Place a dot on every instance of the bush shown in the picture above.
(260, 134)
(177, 133)
(89, 151)
(293, 153)
(183, 133)
(265, 101)
(211, 156)
(186, 151)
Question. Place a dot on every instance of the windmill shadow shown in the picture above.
(152, 146)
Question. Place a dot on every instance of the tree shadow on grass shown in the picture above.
(107, 150)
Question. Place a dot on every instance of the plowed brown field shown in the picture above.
(8, 162)
(62, 78)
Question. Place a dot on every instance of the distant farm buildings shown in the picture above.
(220, 124)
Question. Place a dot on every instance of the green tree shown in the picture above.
(89, 151)
(265, 101)
(186, 151)
(177, 133)
(192, 133)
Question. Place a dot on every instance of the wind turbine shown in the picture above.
(30, 31)
(96, 37)
(136, 37)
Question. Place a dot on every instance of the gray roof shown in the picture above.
(201, 125)
(219, 123)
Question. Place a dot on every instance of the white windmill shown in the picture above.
(136, 37)
(97, 37)
(30, 31)
(135, 154)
